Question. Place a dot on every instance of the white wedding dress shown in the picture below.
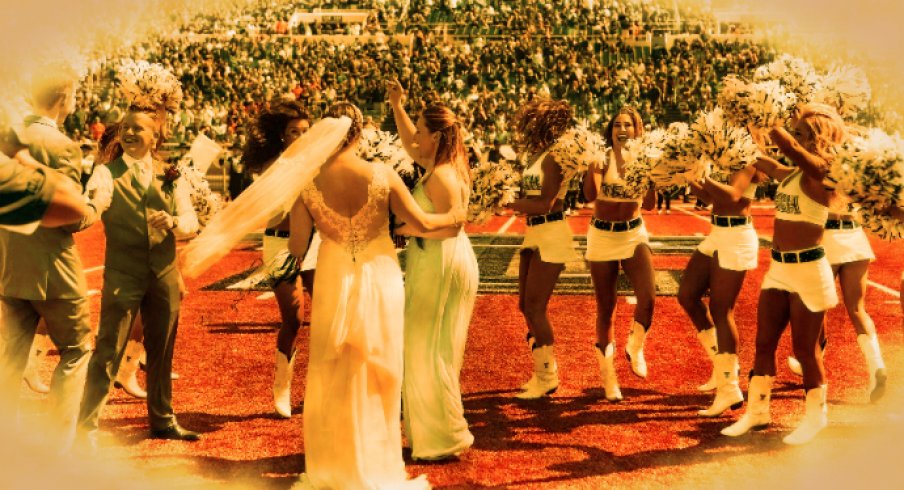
(352, 403)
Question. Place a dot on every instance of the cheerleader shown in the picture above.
(850, 253)
(548, 241)
(271, 133)
(798, 286)
(618, 237)
(718, 267)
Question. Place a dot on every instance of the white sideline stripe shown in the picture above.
(94, 269)
(504, 228)
(695, 215)
(267, 295)
(884, 288)
(93, 292)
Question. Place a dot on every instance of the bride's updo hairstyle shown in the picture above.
(542, 121)
(352, 112)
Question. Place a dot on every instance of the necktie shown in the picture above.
(141, 175)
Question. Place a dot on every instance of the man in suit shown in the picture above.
(41, 274)
(149, 204)
(29, 196)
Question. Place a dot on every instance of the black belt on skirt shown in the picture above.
(729, 221)
(276, 233)
(545, 218)
(616, 225)
(841, 224)
(808, 255)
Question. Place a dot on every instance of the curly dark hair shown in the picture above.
(352, 112)
(265, 133)
(542, 121)
(636, 120)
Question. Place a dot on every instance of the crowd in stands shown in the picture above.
(226, 80)
(466, 17)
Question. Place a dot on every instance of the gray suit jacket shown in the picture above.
(45, 265)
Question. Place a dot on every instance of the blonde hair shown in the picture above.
(50, 84)
(826, 125)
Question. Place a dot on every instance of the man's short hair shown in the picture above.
(50, 83)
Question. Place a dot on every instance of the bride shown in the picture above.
(353, 397)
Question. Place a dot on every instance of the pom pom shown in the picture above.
(387, 148)
(205, 201)
(728, 148)
(845, 88)
(577, 149)
(641, 155)
(795, 75)
(869, 170)
(149, 86)
(762, 104)
(677, 164)
(494, 186)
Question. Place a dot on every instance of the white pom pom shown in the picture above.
(577, 149)
(762, 104)
(386, 147)
(494, 186)
(845, 88)
(149, 86)
(869, 170)
(728, 148)
(795, 75)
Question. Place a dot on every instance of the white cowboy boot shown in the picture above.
(36, 355)
(794, 364)
(606, 360)
(728, 394)
(710, 344)
(546, 371)
(795, 367)
(533, 377)
(282, 384)
(634, 349)
(816, 418)
(125, 377)
(757, 416)
(869, 345)
(143, 364)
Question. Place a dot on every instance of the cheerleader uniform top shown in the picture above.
(612, 188)
(537, 169)
(792, 204)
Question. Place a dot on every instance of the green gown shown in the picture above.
(440, 290)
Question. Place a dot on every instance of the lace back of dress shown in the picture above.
(355, 232)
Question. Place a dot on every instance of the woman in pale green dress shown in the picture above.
(440, 286)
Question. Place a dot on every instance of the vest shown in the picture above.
(133, 246)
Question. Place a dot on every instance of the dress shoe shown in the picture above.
(175, 433)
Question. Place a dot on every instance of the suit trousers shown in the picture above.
(69, 328)
(123, 295)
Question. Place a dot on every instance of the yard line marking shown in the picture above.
(267, 295)
(504, 228)
(93, 292)
(94, 269)
(884, 288)
(695, 215)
